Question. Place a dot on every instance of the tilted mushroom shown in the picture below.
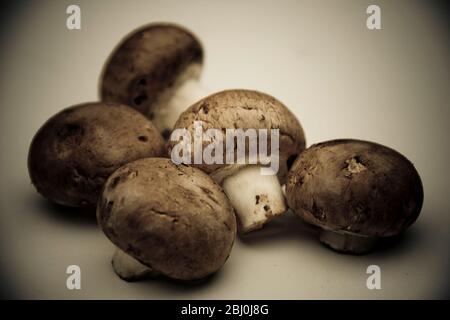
(356, 191)
(75, 151)
(156, 70)
(255, 197)
(173, 219)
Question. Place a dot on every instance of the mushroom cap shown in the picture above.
(355, 186)
(75, 151)
(173, 218)
(244, 109)
(146, 63)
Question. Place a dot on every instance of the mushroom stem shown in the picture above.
(186, 91)
(346, 242)
(128, 268)
(256, 198)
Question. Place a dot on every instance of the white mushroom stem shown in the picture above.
(346, 242)
(256, 198)
(186, 91)
(128, 268)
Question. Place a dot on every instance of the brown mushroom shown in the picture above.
(75, 151)
(156, 70)
(355, 191)
(173, 219)
(256, 197)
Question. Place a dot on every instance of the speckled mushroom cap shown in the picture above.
(146, 63)
(173, 218)
(245, 109)
(75, 151)
(355, 186)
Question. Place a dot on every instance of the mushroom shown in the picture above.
(75, 151)
(156, 70)
(130, 269)
(256, 197)
(355, 191)
(173, 219)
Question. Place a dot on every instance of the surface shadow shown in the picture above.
(396, 244)
(289, 226)
(286, 226)
(402, 243)
(180, 286)
(390, 247)
(60, 213)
